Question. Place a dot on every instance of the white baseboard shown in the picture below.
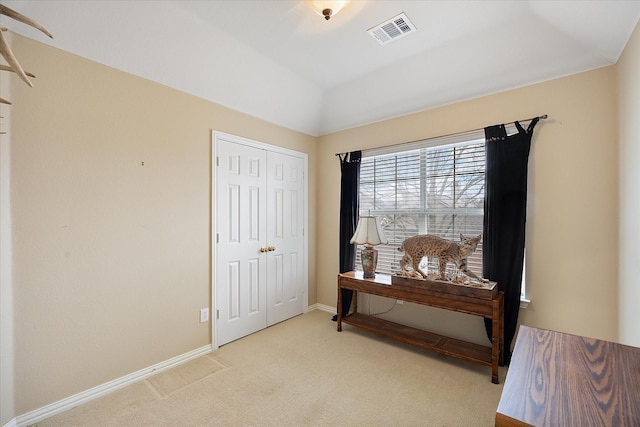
(83, 397)
(106, 388)
(322, 307)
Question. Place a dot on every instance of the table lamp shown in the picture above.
(368, 233)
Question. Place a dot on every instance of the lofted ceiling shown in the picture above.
(281, 62)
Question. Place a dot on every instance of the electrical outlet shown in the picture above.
(204, 315)
(399, 301)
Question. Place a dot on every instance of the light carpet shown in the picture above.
(302, 372)
(182, 376)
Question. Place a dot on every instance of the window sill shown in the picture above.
(524, 302)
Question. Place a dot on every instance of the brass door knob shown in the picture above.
(272, 248)
(263, 249)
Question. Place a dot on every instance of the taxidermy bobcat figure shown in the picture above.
(417, 247)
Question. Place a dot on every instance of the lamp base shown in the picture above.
(369, 257)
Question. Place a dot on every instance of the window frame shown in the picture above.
(424, 215)
(476, 136)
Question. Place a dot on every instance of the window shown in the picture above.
(427, 187)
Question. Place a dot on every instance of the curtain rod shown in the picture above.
(542, 117)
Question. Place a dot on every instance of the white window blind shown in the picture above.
(433, 186)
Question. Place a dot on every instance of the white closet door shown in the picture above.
(285, 235)
(260, 269)
(241, 268)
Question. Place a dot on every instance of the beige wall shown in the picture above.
(112, 258)
(629, 105)
(572, 240)
(6, 291)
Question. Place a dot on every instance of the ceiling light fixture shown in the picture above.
(327, 8)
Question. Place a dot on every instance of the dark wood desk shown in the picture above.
(381, 285)
(557, 379)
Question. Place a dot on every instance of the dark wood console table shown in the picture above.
(381, 285)
(558, 379)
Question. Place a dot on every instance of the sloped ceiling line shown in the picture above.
(281, 62)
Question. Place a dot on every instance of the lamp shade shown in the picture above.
(368, 232)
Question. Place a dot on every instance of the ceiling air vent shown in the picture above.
(393, 29)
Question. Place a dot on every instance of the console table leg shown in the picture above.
(495, 378)
(339, 307)
(495, 341)
(501, 328)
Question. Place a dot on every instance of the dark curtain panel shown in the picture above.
(504, 218)
(349, 209)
